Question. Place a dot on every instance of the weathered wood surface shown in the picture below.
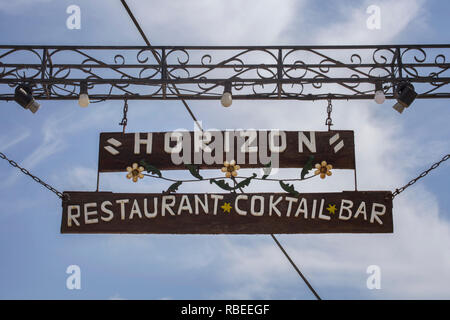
(335, 147)
(106, 212)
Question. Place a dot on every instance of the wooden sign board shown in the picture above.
(209, 149)
(231, 213)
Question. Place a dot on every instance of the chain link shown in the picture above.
(423, 174)
(329, 121)
(26, 172)
(124, 119)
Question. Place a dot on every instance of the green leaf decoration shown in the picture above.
(308, 166)
(222, 184)
(267, 169)
(225, 186)
(150, 169)
(194, 170)
(245, 183)
(289, 188)
(173, 187)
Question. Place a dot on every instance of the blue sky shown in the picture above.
(59, 144)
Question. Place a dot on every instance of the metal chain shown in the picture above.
(329, 121)
(423, 174)
(26, 172)
(124, 119)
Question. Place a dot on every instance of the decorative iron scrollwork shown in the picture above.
(289, 72)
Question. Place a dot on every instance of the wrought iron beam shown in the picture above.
(199, 73)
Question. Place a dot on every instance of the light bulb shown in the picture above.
(83, 100)
(227, 99)
(379, 97)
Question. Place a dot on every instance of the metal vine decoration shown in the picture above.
(272, 72)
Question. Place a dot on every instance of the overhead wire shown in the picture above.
(130, 13)
(198, 124)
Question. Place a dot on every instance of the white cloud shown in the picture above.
(6, 142)
(52, 142)
(216, 22)
(17, 6)
(396, 17)
(54, 134)
(79, 178)
(116, 297)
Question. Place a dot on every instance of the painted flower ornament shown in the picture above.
(323, 169)
(230, 168)
(135, 172)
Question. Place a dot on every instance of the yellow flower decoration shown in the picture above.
(230, 168)
(135, 172)
(323, 169)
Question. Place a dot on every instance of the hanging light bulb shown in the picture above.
(379, 97)
(379, 94)
(227, 98)
(83, 99)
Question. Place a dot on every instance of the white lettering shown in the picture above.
(236, 207)
(345, 205)
(138, 142)
(88, 213)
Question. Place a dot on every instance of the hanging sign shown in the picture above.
(209, 149)
(231, 213)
